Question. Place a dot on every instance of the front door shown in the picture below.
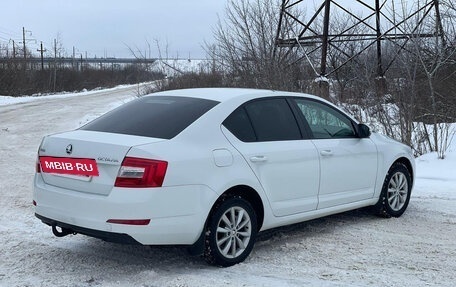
(348, 163)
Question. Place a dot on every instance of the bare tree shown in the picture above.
(245, 47)
(437, 60)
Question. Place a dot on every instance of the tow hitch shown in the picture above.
(61, 232)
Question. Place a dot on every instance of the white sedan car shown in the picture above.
(210, 168)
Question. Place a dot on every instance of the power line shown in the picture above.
(8, 31)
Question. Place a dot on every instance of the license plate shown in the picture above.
(73, 166)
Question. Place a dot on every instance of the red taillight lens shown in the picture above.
(129, 221)
(139, 172)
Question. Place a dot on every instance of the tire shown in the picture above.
(231, 232)
(396, 190)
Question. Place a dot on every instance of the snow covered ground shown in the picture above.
(349, 249)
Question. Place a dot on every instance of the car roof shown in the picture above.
(226, 94)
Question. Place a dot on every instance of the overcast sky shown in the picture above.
(108, 28)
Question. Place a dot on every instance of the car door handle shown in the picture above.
(258, 158)
(326, 152)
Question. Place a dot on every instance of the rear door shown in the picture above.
(267, 134)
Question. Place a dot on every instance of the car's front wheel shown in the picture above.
(395, 195)
(231, 232)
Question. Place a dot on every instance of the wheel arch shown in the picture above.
(382, 207)
(243, 191)
(405, 161)
(246, 192)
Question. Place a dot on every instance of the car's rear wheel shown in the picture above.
(395, 195)
(231, 232)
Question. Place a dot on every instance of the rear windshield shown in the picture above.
(152, 116)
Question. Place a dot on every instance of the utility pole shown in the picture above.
(72, 61)
(81, 63)
(440, 31)
(381, 81)
(41, 50)
(55, 63)
(14, 55)
(14, 50)
(23, 42)
(324, 46)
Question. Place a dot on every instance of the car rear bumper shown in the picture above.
(177, 214)
(104, 235)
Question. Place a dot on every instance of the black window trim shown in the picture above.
(306, 132)
(250, 122)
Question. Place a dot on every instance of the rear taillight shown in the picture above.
(139, 172)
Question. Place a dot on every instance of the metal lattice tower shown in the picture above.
(396, 21)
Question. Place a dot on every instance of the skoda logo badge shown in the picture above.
(69, 149)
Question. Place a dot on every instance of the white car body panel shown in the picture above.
(289, 172)
(205, 160)
(348, 170)
(107, 149)
(389, 151)
(176, 225)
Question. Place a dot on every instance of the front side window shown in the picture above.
(324, 121)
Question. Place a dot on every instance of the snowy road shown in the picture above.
(350, 249)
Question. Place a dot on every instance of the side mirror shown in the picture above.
(363, 131)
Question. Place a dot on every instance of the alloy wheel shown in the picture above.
(397, 191)
(234, 230)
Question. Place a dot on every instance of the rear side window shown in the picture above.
(273, 120)
(238, 124)
(152, 116)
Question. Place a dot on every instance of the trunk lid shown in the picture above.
(107, 149)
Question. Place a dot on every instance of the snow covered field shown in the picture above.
(349, 249)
